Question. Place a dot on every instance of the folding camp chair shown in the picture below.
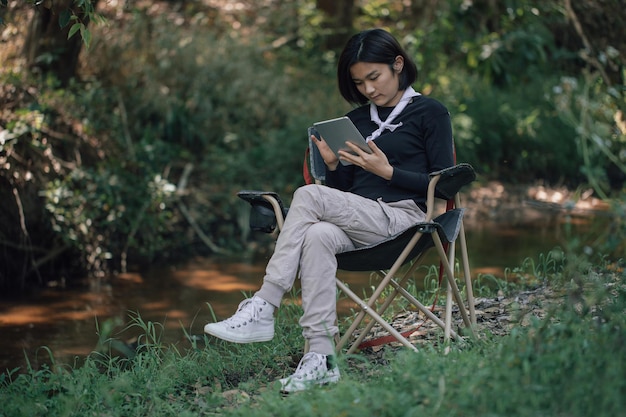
(387, 258)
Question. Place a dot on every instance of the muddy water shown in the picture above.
(66, 321)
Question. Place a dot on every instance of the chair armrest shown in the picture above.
(452, 179)
(267, 209)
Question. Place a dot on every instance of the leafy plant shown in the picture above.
(597, 113)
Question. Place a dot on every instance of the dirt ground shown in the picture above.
(495, 316)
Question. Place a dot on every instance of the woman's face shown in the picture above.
(378, 82)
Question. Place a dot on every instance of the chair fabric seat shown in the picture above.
(383, 254)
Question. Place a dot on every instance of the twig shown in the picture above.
(20, 209)
(207, 241)
(17, 246)
(571, 14)
(182, 184)
(132, 233)
(26, 237)
(124, 115)
(48, 257)
(184, 178)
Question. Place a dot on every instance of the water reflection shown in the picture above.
(66, 320)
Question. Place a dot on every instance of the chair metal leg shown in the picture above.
(466, 267)
(371, 324)
(367, 307)
(451, 280)
(399, 290)
(468, 278)
(389, 299)
(372, 312)
(448, 318)
(425, 310)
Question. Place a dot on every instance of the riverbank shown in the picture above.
(527, 204)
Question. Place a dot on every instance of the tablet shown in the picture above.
(336, 132)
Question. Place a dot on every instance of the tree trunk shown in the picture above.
(423, 12)
(340, 15)
(47, 49)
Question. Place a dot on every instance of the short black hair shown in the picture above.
(375, 46)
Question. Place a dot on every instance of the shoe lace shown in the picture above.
(309, 365)
(247, 312)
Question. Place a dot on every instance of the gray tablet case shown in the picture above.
(336, 132)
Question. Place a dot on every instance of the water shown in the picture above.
(65, 321)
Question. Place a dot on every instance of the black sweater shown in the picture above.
(423, 144)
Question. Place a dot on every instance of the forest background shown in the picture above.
(127, 128)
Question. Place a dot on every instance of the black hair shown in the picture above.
(375, 46)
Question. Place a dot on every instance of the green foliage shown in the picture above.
(112, 209)
(514, 46)
(511, 134)
(578, 343)
(596, 111)
(530, 274)
(230, 109)
(193, 105)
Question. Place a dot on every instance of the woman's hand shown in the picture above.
(330, 159)
(375, 162)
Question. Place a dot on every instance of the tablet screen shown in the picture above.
(336, 132)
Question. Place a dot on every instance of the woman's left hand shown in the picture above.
(375, 162)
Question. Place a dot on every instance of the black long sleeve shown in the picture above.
(421, 145)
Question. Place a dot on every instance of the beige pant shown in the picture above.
(322, 222)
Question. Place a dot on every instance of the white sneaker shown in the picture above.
(253, 322)
(313, 369)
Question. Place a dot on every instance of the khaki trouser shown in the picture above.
(322, 222)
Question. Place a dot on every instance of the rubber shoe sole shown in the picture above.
(290, 385)
(218, 330)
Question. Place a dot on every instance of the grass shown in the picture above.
(572, 363)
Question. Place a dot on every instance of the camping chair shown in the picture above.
(389, 256)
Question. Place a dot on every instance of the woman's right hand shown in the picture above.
(330, 159)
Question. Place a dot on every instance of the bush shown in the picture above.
(225, 110)
(514, 134)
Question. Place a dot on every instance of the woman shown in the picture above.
(380, 194)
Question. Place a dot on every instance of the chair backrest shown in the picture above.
(313, 168)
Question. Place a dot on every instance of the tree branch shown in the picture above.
(182, 184)
(589, 55)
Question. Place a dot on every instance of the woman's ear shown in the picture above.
(398, 64)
